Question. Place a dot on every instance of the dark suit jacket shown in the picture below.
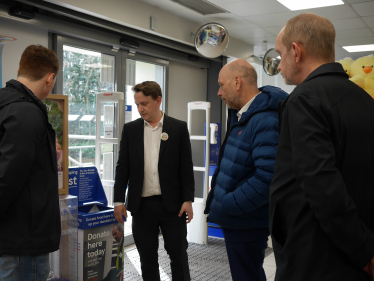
(322, 193)
(175, 166)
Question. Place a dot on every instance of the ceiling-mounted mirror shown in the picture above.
(271, 62)
(211, 40)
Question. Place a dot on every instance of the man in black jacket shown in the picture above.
(155, 161)
(30, 225)
(322, 193)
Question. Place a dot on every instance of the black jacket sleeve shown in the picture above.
(23, 132)
(123, 168)
(321, 181)
(186, 167)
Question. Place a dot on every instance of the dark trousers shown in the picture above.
(246, 253)
(146, 223)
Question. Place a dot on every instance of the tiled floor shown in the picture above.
(270, 267)
(269, 263)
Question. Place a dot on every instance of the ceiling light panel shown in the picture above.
(295, 5)
(359, 48)
(201, 6)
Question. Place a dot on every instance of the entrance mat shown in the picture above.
(207, 262)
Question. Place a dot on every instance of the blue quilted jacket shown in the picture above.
(239, 198)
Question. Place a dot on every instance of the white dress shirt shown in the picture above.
(245, 108)
(152, 141)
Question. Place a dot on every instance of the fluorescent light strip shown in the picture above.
(359, 48)
(295, 5)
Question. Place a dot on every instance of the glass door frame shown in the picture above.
(147, 59)
(120, 71)
(60, 41)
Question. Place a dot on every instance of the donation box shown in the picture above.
(98, 242)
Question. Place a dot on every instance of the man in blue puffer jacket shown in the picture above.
(239, 199)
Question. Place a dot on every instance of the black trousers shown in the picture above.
(146, 223)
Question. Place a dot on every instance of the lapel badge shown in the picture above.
(164, 136)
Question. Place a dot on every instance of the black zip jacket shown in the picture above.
(322, 193)
(29, 203)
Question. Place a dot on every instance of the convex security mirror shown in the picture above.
(271, 62)
(211, 40)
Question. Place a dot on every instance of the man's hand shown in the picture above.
(120, 275)
(187, 208)
(118, 211)
(369, 268)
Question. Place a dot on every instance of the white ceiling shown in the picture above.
(255, 21)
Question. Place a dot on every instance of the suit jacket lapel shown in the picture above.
(140, 139)
(165, 129)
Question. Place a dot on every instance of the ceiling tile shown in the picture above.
(332, 13)
(259, 40)
(274, 29)
(166, 5)
(189, 14)
(355, 41)
(369, 21)
(230, 21)
(354, 33)
(364, 9)
(249, 33)
(358, 1)
(352, 23)
(254, 7)
(220, 2)
(270, 19)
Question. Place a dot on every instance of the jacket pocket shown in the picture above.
(8, 262)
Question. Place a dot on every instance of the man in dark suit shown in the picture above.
(155, 161)
(322, 193)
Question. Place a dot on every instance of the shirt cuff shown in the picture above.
(115, 204)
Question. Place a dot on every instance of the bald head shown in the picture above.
(316, 34)
(238, 83)
(242, 68)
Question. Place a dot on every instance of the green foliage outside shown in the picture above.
(81, 82)
(55, 118)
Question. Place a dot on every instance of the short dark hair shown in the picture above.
(148, 88)
(36, 62)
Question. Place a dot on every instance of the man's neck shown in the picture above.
(34, 87)
(308, 68)
(157, 120)
(247, 96)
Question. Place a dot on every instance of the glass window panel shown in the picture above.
(85, 73)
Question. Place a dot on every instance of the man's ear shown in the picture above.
(159, 100)
(238, 82)
(50, 78)
(297, 51)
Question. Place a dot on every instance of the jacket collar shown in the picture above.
(327, 69)
(266, 100)
(26, 91)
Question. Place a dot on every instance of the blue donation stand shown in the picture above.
(97, 249)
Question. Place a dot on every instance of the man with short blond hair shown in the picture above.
(318, 42)
(322, 192)
(28, 170)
